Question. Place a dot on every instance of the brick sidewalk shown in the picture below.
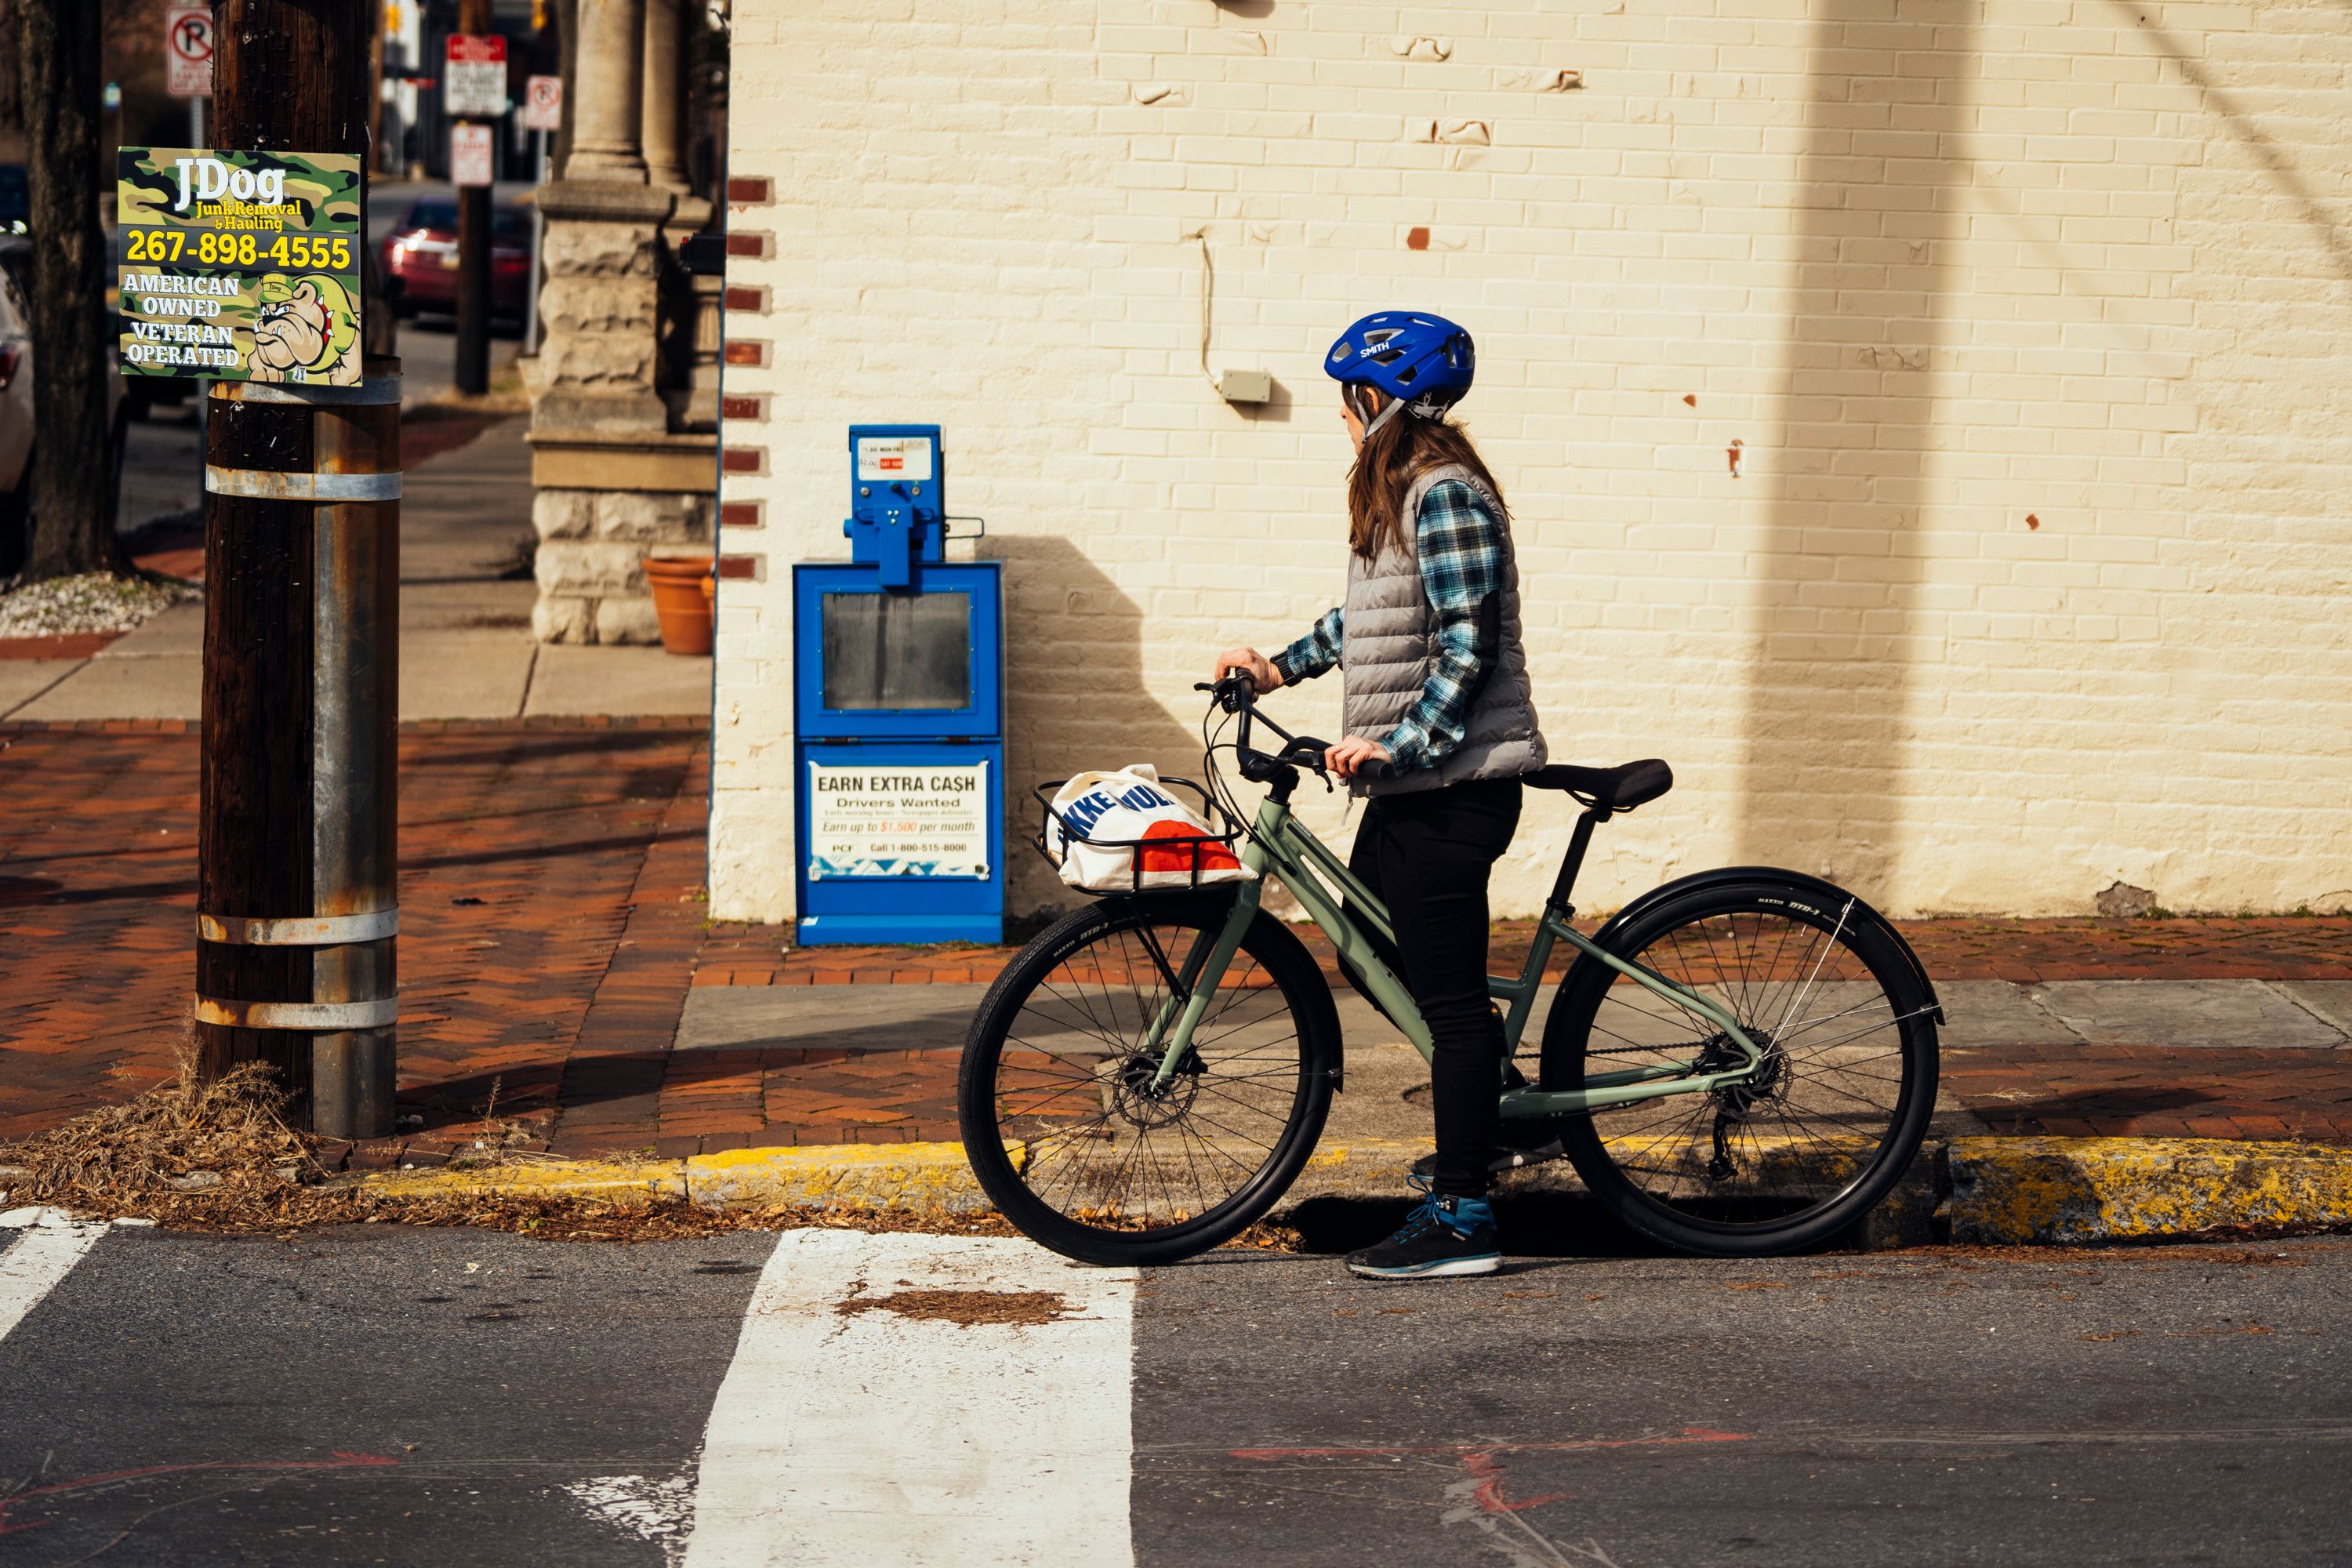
(1969, 948)
(552, 926)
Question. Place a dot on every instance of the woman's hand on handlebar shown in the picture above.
(1249, 662)
(1353, 754)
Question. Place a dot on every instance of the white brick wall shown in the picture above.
(2032, 320)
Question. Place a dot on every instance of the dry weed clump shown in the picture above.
(225, 1140)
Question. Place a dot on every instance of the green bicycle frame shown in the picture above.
(1280, 846)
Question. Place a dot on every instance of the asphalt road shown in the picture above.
(451, 1397)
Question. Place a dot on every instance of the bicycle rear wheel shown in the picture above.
(1062, 1121)
(1812, 1140)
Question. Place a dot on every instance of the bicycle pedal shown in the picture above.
(1504, 1161)
(1519, 1159)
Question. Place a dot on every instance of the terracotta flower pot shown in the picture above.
(682, 593)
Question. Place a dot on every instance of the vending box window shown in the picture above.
(899, 714)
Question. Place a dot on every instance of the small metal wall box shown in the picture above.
(1245, 385)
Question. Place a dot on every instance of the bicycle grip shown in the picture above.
(1374, 771)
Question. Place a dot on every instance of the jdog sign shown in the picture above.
(239, 266)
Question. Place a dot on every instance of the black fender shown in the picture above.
(1830, 894)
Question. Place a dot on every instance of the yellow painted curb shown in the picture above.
(1994, 1191)
(924, 1176)
(607, 1181)
(2056, 1191)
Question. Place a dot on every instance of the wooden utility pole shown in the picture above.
(295, 850)
(473, 250)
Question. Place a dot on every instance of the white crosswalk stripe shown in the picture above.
(923, 1400)
(49, 1244)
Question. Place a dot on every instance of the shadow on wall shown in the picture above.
(2276, 163)
(1078, 695)
(1826, 725)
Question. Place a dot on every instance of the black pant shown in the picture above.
(1427, 855)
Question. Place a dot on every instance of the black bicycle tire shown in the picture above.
(1286, 961)
(1566, 1029)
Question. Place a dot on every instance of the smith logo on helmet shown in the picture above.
(239, 266)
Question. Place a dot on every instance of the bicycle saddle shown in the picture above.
(1620, 788)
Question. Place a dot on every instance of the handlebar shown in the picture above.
(1237, 693)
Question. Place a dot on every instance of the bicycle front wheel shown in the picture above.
(1810, 1141)
(1066, 1123)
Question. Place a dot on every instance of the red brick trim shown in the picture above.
(66, 644)
(752, 245)
(744, 460)
(733, 406)
(754, 300)
(748, 568)
(750, 190)
(741, 513)
(746, 351)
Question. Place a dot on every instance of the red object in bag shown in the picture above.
(1214, 856)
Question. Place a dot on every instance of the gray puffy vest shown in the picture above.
(1389, 646)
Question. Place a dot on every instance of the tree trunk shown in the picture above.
(73, 425)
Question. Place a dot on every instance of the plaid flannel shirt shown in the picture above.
(1460, 542)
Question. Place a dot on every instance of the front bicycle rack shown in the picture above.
(1170, 856)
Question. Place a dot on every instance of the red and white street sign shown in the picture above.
(542, 103)
(471, 162)
(188, 50)
(474, 84)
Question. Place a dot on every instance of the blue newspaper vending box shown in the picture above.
(898, 707)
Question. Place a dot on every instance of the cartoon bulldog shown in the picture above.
(304, 330)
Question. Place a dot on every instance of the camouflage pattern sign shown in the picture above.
(239, 266)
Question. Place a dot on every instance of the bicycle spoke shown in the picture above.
(1105, 1141)
(1815, 1114)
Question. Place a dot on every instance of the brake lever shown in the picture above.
(1310, 755)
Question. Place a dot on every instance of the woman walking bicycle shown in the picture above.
(1739, 1063)
(1440, 724)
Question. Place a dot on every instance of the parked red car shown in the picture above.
(420, 261)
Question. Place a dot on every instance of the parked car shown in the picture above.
(16, 408)
(16, 199)
(420, 261)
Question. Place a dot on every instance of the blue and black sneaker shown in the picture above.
(1444, 1236)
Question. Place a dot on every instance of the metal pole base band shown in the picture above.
(312, 1017)
(321, 489)
(375, 390)
(314, 931)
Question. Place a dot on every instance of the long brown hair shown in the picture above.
(1397, 454)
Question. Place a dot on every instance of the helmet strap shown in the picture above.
(1361, 399)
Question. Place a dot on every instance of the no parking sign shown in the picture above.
(542, 103)
(188, 49)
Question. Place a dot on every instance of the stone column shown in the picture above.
(663, 116)
(607, 96)
(614, 481)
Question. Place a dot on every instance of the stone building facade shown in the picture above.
(1924, 423)
(623, 423)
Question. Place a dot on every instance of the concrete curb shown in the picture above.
(1978, 1190)
(2058, 1190)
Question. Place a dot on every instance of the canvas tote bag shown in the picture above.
(1132, 805)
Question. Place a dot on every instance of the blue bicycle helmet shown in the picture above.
(1423, 363)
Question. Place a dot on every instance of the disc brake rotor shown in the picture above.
(1135, 1100)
